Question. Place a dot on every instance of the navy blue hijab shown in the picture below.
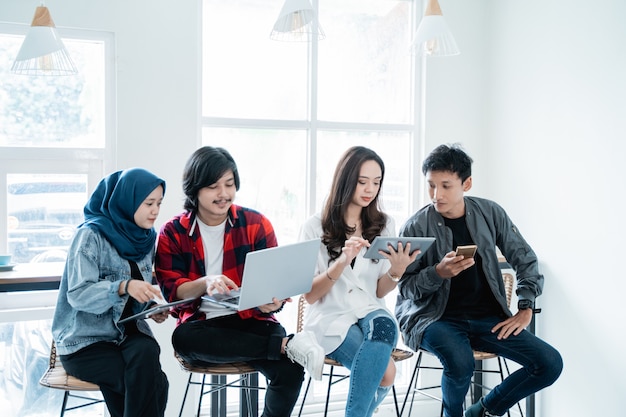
(111, 211)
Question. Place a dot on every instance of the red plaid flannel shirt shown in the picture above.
(180, 255)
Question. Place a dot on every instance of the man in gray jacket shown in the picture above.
(451, 305)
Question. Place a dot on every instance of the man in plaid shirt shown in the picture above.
(202, 251)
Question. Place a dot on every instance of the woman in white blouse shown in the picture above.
(347, 313)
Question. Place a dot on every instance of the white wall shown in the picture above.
(538, 96)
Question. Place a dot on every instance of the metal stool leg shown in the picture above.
(306, 391)
(330, 383)
(65, 396)
(184, 396)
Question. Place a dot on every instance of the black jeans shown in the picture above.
(129, 375)
(231, 339)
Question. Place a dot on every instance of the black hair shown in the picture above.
(205, 167)
(451, 158)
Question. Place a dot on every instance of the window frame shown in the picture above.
(90, 161)
(312, 125)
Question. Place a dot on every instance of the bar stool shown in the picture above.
(56, 377)
(479, 357)
(397, 355)
(247, 383)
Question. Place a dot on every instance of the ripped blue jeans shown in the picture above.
(366, 351)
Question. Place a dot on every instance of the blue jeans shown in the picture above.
(366, 351)
(452, 341)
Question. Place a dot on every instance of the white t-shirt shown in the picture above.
(213, 245)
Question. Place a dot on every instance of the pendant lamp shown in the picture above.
(43, 52)
(433, 37)
(297, 21)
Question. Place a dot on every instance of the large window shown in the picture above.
(55, 144)
(287, 111)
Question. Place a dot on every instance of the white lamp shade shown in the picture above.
(43, 51)
(41, 40)
(433, 38)
(297, 21)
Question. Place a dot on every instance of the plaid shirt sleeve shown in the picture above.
(179, 259)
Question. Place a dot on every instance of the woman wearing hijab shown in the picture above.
(108, 276)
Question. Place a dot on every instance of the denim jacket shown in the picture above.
(88, 305)
(423, 295)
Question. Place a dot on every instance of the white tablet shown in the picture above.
(383, 242)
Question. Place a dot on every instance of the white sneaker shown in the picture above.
(304, 349)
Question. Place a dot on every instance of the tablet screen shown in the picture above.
(381, 243)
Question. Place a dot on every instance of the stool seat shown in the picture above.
(247, 383)
(56, 377)
(476, 382)
(233, 368)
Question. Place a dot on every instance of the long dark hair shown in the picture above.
(345, 181)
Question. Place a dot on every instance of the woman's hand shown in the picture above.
(142, 291)
(352, 247)
(324, 281)
(400, 259)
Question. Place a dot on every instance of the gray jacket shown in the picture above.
(88, 305)
(423, 295)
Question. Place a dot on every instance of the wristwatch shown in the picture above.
(524, 304)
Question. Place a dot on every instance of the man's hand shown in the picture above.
(160, 317)
(452, 265)
(514, 325)
(220, 284)
(274, 306)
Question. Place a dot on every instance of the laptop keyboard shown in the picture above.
(231, 298)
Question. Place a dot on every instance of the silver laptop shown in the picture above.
(282, 272)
